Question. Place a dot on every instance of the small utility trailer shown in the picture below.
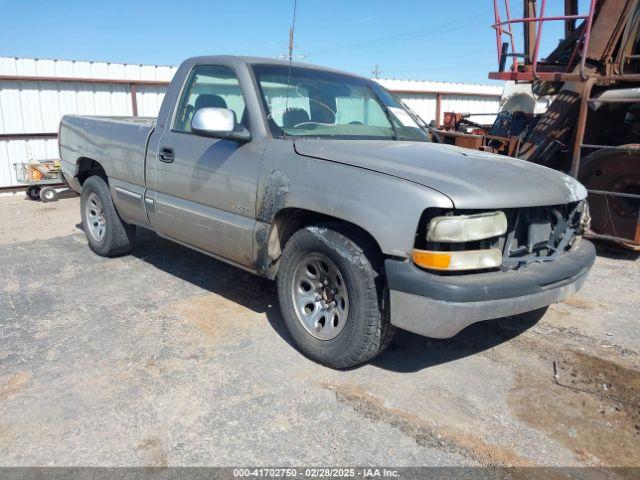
(42, 178)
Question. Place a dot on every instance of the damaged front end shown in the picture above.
(525, 235)
(539, 258)
(541, 234)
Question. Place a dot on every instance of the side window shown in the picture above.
(209, 86)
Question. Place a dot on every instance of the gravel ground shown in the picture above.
(168, 357)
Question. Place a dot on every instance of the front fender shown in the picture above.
(388, 208)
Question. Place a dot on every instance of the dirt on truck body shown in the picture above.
(324, 182)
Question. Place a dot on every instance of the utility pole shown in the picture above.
(291, 44)
(292, 30)
(376, 72)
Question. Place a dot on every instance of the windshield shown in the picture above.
(303, 102)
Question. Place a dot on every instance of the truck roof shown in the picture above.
(248, 60)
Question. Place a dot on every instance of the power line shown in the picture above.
(423, 32)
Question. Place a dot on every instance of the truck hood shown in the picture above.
(470, 178)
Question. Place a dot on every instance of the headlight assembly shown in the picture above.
(467, 228)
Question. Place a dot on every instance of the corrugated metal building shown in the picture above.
(431, 99)
(35, 93)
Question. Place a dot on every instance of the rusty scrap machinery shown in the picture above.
(591, 129)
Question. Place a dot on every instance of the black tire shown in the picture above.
(117, 238)
(33, 192)
(48, 194)
(367, 330)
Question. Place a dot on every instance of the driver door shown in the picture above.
(206, 187)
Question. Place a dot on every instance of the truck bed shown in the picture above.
(117, 143)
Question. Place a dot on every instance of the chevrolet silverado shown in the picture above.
(328, 184)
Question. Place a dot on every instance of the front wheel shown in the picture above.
(330, 296)
(107, 234)
(33, 192)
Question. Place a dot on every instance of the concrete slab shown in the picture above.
(168, 357)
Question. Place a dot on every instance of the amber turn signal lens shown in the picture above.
(458, 260)
(433, 260)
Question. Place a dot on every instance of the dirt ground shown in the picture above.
(168, 357)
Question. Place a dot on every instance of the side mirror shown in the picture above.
(218, 123)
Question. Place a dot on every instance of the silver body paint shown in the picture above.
(221, 196)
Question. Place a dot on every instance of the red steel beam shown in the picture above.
(558, 77)
(27, 136)
(566, 18)
(570, 8)
(121, 81)
(116, 81)
(134, 99)
(440, 92)
(581, 125)
(134, 108)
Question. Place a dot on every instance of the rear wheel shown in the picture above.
(48, 194)
(330, 296)
(106, 233)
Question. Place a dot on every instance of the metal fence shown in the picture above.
(35, 93)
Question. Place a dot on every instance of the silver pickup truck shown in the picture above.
(325, 182)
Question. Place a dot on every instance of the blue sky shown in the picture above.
(417, 39)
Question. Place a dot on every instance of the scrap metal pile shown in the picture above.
(591, 129)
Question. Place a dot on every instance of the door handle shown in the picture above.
(166, 154)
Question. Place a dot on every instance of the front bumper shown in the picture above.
(440, 306)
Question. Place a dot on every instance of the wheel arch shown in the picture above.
(87, 167)
(272, 240)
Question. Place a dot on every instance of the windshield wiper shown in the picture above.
(395, 130)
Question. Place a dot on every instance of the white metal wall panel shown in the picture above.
(73, 68)
(473, 105)
(456, 97)
(21, 151)
(423, 104)
(37, 106)
(149, 100)
(10, 108)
